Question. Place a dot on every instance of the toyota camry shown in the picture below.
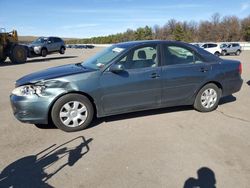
(125, 77)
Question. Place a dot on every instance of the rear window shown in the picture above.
(57, 40)
(208, 57)
(236, 45)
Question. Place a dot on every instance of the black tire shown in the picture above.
(62, 50)
(198, 104)
(18, 54)
(217, 54)
(223, 53)
(55, 112)
(2, 59)
(237, 52)
(44, 52)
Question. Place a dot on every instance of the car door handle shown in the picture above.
(155, 75)
(204, 69)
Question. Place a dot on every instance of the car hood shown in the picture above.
(51, 73)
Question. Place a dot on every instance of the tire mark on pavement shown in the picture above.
(233, 117)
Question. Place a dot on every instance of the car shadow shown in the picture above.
(133, 115)
(248, 82)
(40, 60)
(227, 99)
(35, 170)
(206, 179)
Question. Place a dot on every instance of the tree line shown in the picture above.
(217, 29)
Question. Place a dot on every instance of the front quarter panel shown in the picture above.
(85, 83)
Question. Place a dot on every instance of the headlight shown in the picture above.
(28, 90)
(37, 47)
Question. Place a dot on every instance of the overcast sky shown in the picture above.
(87, 18)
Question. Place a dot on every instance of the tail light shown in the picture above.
(240, 68)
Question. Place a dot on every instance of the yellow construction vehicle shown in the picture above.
(9, 47)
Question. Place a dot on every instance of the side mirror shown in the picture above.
(116, 68)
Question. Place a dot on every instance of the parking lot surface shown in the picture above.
(156, 148)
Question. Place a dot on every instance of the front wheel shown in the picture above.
(62, 50)
(217, 54)
(18, 54)
(72, 112)
(44, 52)
(237, 52)
(223, 53)
(207, 98)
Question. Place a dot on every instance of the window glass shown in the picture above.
(204, 46)
(51, 40)
(102, 58)
(235, 45)
(57, 40)
(179, 55)
(212, 45)
(223, 45)
(140, 58)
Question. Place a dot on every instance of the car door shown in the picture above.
(230, 48)
(57, 42)
(137, 87)
(183, 72)
(51, 44)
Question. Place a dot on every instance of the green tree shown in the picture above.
(178, 32)
(245, 30)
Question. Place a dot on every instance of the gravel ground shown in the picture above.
(156, 148)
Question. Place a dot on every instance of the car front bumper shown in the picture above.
(32, 110)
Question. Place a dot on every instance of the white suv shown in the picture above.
(212, 48)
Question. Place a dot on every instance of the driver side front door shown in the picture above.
(137, 87)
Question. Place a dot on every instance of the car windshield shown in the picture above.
(40, 40)
(101, 59)
(223, 45)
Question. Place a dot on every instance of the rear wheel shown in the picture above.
(44, 52)
(72, 112)
(207, 98)
(18, 54)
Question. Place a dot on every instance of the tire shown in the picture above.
(44, 52)
(62, 50)
(223, 53)
(200, 100)
(66, 114)
(217, 54)
(18, 54)
(237, 52)
(2, 59)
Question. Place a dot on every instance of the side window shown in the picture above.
(57, 39)
(179, 55)
(140, 58)
(212, 45)
(205, 46)
(51, 40)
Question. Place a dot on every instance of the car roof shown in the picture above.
(141, 42)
